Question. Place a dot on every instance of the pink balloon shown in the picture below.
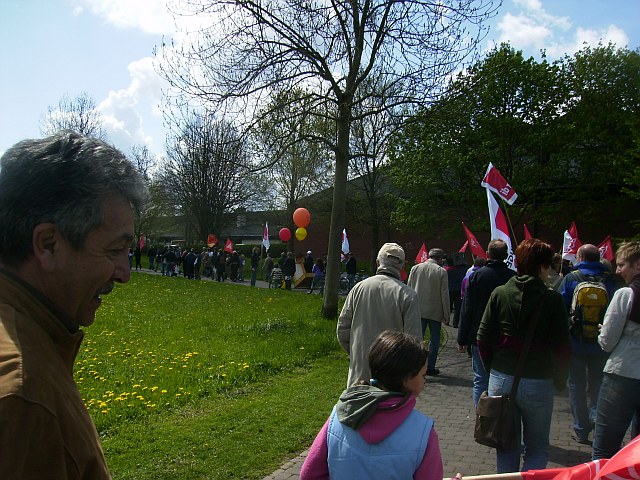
(284, 234)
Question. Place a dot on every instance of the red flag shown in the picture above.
(422, 256)
(584, 471)
(211, 240)
(571, 243)
(403, 274)
(474, 245)
(527, 234)
(624, 465)
(494, 181)
(464, 246)
(141, 242)
(228, 247)
(606, 249)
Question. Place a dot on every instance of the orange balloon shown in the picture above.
(301, 217)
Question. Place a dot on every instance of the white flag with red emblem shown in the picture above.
(499, 229)
(345, 242)
(494, 181)
(265, 237)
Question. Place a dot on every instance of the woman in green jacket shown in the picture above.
(500, 339)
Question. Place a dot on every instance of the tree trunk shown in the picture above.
(330, 301)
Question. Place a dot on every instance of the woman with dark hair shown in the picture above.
(374, 431)
(619, 398)
(501, 335)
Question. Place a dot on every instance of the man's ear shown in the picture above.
(46, 242)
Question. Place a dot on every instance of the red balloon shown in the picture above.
(301, 217)
(284, 234)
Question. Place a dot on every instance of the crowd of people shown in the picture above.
(585, 322)
(67, 209)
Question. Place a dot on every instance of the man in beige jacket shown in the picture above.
(381, 302)
(430, 282)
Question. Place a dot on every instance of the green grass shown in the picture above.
(189, 380)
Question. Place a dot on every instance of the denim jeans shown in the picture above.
(480, 375)
(619, 400)
(434, 340)
(534, 406)
(585, 374)
(254, 276)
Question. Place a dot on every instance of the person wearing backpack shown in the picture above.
(586, 299)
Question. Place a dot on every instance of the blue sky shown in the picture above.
(49, 48)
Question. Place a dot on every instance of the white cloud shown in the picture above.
(531, 28)
(150, 16)
(123, 110)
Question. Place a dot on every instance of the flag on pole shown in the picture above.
(265, 237)
(345, 242)
(499, 229)
(211, 240)
(476, 249)
(422, 256)
(494, 181)
(464, 246)
(141, 242)
(527, 234)
(584, 471)
(606, 249)
(571, 243)
(228, 247)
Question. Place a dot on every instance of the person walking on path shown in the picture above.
(429, 280)
(619, 398)
(67, 209)
(378, 303)
(587, 358)
(501, 336)
(374, 431)
(481, 284)
(255, 263)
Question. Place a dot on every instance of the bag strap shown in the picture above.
(527, 342)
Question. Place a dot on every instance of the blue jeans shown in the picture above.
(480, 375)
(619, 400)
(434, 340)
(534, 406)
(254, 276)
(585, 372)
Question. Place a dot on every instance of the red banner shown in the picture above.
(464, 246)
(494, 181)
(473, 244)
(606, 250)
(422, 256)
(571, 243)
(228, 247)
(211, 240)
(527, 234)
(141, 242)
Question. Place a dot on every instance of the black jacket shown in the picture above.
(481, 284)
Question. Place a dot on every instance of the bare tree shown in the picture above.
(206, 174)
(78, 114)
(254, 47)
(301, 165)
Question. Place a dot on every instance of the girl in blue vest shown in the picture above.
(374, 431)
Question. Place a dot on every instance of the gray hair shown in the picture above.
(61, 179)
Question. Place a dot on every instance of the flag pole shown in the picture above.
(506, 213)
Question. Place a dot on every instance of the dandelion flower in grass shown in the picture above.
(163, 391)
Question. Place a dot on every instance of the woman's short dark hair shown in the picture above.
(533, 254)
(395, 357)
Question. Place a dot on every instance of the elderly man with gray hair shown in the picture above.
(381, 302)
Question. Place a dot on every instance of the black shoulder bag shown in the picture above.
(495, 424)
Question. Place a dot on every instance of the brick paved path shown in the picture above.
(447, 399)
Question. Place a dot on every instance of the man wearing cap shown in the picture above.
(381, 302)
(429, 279)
